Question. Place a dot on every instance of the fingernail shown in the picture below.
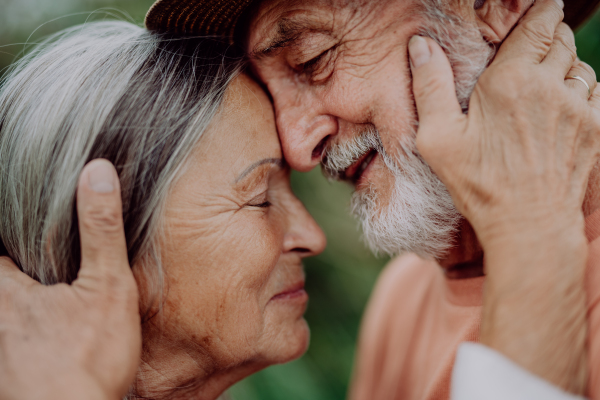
(419, 51)
(102, 178)
(560, 3)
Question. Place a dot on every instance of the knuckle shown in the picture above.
(567, 44)
(553, 15)
(538, 34)
(565, 34)
(586, 70)
(429, 87)
(102, 219)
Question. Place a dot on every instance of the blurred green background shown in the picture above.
(339, 281)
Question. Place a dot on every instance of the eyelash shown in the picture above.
(310, 64)
(266, 204)
(308, 68)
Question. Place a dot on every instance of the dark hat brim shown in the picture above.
(220, 17)
(578, 11)
(197, 17)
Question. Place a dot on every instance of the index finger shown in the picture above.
(534, 34)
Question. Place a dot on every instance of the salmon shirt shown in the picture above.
(417, 318)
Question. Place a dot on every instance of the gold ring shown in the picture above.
(580, 79)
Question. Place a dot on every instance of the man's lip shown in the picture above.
(293, 291)
(354, 172)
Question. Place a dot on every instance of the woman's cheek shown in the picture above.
(253, 247)
(269, 238)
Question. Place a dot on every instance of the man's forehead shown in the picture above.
(276, 20)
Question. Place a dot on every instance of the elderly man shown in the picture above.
(340, 76)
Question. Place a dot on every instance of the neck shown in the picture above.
(172, 370)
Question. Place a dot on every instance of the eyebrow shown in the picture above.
(287, 34)
(275, 161)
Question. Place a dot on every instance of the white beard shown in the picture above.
(420, 216)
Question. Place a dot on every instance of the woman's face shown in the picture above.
(235, 239)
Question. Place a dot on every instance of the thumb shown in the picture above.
(103, 246)
(433, 85)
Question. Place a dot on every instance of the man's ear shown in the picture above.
(496, 18)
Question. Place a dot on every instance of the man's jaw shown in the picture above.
(400, 203)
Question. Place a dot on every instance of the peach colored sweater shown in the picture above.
(416, 319)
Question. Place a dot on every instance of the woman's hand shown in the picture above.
(517, 167)
(81, 341)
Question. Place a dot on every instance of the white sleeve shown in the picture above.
(481, 373)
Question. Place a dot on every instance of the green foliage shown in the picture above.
(588, 42)
(339, 281)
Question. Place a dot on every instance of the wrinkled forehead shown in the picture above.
(276, 21)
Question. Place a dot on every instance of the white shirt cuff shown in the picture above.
(481, 373)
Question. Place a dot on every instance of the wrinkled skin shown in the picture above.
(235, 237)
(320, 116)
(548, 145)
(345, 64)
(234, 299)
(81, 340)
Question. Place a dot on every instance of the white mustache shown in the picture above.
(337, 158)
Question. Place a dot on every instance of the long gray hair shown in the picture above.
(101, 90)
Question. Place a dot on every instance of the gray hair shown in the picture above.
(101, 90)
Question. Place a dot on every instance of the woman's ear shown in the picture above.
(496, 18)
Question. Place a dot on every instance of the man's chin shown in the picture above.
(412, 218)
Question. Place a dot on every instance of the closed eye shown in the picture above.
(266, 204)
(260, 201)
(310, 65)
(318, 68)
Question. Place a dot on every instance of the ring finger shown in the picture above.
(582, 79)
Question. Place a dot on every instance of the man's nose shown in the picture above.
(303, 134)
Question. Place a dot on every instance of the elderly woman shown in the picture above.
(215, 235)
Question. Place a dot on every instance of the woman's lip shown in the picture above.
(292, 292)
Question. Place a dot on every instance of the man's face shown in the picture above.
(339, 75)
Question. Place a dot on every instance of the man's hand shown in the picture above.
(81, 341)
(517, 168)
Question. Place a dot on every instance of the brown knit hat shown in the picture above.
(220, 17)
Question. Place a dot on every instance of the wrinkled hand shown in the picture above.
(81, 341)
(517, 168)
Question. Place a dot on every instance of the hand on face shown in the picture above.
(523, 116)
(236, 237)
(517, 167)
(78, 341)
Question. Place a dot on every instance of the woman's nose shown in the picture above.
(304, 234)
(303, 136)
